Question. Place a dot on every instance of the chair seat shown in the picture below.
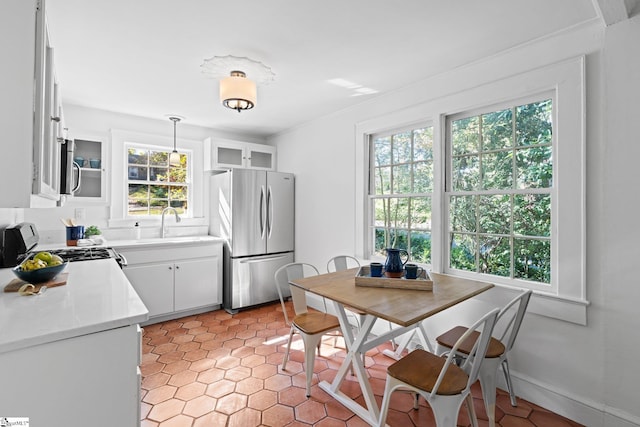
(449, 338)
(420, 369)
(312, 323)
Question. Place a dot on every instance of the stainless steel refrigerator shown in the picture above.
(254, 211)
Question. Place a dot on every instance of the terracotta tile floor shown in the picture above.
(217, 369)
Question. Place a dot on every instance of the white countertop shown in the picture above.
(97, 297)
(147, 242)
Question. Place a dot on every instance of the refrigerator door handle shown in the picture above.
(270, 258)
(269, 213)
(263, 214)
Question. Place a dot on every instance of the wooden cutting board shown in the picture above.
(59, 280)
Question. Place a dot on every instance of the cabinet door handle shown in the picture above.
(55, 119)
(170, 268)
(177, 267)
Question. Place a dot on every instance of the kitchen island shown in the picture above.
(71, 356)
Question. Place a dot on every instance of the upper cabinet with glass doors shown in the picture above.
(232, 154)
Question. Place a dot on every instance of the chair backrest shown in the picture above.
(284, 275)
(342, 262)
(473, 362)
(511, 317)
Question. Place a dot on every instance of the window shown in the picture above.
(153, 184)
(400, 191)
(499, 191)
(508, 192)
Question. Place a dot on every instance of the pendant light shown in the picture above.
(174, 158)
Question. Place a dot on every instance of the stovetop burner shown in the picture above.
(87, 254)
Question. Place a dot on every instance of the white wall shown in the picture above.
(574, 370)
(618, 215)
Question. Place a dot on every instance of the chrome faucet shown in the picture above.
(164, 211)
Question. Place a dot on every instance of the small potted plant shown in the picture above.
(91, 231)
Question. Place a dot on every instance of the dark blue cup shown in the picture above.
(412, 271)
(376, 269)
(74, 234)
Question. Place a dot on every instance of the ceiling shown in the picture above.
(144, 57)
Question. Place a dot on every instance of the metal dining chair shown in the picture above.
(310, 325)
(509, 320)
(443, 384)
(344, 262)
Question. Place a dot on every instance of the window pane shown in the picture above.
(463, 252)
(534, 123)
(159, 158)
(420, 249)
(497, 170)
(402, 179)
(462, 213)
(423, 177)
(138, 173)
(535, 167)
(383, 180)
(421, 213)
(178, 193)
(138, 157)
(157, 205)
(402, 166)
(137, 200)
(138, 191)
(177, 174)
(159, 191)
(466, 173)
(497, 130)
(423, 144)
(158, 174)
(402, 147)
(495, 256)
(179, 205)
(382, 151)
(532, 260)
(465, 135)
(532, 215)
(495, 214)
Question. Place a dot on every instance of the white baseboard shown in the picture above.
(577, 408)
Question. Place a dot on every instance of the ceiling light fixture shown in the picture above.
(174, 158)
(237, 91)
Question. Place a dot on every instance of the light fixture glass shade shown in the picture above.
(174, 159)
(238, 92)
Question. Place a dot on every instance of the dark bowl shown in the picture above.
(40, 275)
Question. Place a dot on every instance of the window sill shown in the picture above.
(554, 306)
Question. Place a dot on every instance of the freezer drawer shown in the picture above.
(250, 280)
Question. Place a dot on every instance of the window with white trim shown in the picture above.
(400, 192)
(561, 292)
(499, 190)
(153, 183)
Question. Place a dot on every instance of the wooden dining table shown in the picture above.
(405, 308)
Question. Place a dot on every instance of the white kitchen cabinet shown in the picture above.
(93, 177)
(92, 379)
(154, 284)
(232, 154)
(175, 281)
(29, 107)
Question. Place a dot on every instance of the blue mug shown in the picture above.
(376, 269)
(412, 271)
(74, 234)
